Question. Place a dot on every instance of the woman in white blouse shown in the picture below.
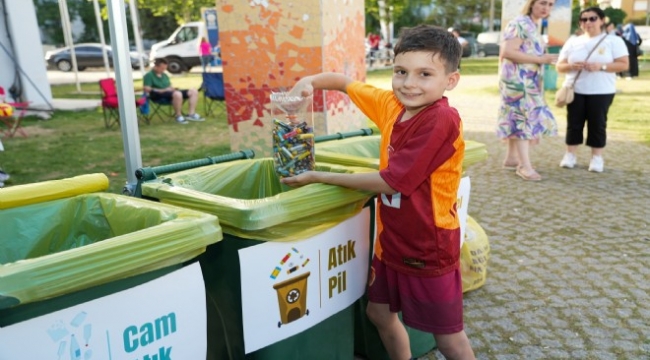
(594, 88)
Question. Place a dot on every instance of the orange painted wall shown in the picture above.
(268, 45)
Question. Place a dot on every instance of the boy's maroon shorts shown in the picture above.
(430, 304)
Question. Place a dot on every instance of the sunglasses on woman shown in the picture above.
(590, 19)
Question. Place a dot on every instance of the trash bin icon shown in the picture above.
(292, 298)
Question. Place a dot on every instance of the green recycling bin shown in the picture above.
(363, 151)
(75, 247)
(550, 73)
(256, 210)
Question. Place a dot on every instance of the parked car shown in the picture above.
(487, 43)
(88, 55)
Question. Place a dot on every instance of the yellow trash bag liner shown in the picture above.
(364, 151)
(61, 246)
(51, 190)
(251, 203)
(474, 256)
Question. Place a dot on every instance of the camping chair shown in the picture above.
(214, 93)
(13, 123)
(110, 103)
(162, 108)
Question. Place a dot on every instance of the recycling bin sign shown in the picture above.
(288, 287)
(161, 319)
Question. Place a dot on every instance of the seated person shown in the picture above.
(156, 83)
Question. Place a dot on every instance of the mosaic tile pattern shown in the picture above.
(268, 45)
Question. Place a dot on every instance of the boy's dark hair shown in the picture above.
(433, 39)
(159, 61)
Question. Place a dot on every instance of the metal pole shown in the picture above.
(383, 19)
(491, 18)
(391, 26)
(135, 23)
(100, 30)
(124, 80)
(67, 35)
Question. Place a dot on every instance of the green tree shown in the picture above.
(462, 14)
(182, 10)
(467, 15)
(615, 16)
(49, 19)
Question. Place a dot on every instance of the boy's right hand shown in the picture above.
(303, 87)
(303, 179)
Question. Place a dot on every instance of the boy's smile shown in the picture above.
(419, 80)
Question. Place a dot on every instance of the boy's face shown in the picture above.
(420, 79)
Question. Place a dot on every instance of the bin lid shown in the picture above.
(252, 203)
(57, 247)
(364, 151)
(20, 195)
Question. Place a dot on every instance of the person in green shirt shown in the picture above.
(157, 85)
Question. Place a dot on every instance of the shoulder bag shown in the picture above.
(564, 96)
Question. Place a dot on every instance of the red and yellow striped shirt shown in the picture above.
(418, 228)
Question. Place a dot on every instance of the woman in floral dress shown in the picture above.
(524, 116)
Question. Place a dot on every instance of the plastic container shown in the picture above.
(254, 207)
(293, 134)
(50, 247)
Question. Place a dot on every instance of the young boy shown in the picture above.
(416, 264)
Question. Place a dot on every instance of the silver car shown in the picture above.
(88, 55)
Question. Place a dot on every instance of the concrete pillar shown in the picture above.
(268, 45)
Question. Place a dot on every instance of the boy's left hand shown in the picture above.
(303, 179)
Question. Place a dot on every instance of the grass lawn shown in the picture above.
(75, 143)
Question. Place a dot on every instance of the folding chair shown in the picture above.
(214, 93)
(110, 103)
(162, 108)
(13, 123)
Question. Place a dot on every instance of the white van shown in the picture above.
(181, 50)
(487, 43)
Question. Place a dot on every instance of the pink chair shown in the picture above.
(110, 104)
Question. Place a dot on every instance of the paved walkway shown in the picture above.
(569, 272)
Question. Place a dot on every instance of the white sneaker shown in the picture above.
(195, 117)
(597, 164)
(568, 161)
(181, 120)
